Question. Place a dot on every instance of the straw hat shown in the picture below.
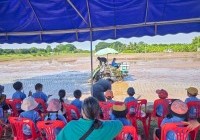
(162, 93)
(54, 105)
(29, 103)
(109, 93)
(179, 108)
(192, 91)
(119, 110)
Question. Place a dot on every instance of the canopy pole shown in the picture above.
(91, 50)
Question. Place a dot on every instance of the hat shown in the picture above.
(29, 103)
(179, 108)
(109, 93)
(119, 110)
(1, 88)
(130, 91)
(192, 91)
(54, 105)
(162, 93)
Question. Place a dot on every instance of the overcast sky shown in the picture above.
(167, 39)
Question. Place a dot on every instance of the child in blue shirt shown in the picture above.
(77, 102)
(28, 105)
(130, 92)
(178, 113)
(53, 108)
(162, 94)
(192, 92)
(39, 93)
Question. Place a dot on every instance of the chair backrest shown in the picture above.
(17, 128)
(12, 104)
(42, 104)
(105, 108)
(48, 128)
(72, 112)
(194, 106)
(181, 131)
(164, 104)
(127, 131)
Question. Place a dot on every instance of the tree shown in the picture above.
(49, 49)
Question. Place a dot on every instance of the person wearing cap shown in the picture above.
(162, 94)
(109, 96)
(192, 92)
(53, 112)
(100, 130)
(28, 105)
(177, 113)
(100, 87)
(130, 92)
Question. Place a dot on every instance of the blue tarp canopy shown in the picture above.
(28, 21)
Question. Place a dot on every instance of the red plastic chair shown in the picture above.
(138, 106)
(12, 104)
(48, 128)
(1, 131)
(17, 128)
(105, 108)
(165, 104)
(181, 130)
(127, 130)
(196, 106)
(69, 110)
(42, 111)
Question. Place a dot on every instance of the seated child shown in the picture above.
(192, 92)
(109, 96)
(130, 92)
(62, 99)
(18, 86)
(178, 113)
(76, 102)
(39, 93)
(53, 107)
(3, 104)
(28, 105)
(162, 94)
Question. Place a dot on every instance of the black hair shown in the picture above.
(61, 95)
(91, 108)
(18, 85)
(38, 86)
(110, 80)
(77, 94)
(130, 91)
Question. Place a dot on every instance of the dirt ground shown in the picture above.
(173, 72)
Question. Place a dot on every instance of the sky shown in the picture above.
(167, 39)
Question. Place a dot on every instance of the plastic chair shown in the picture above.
(12, 104)
(165, 104)
(72, 112)
(105, 108)
(127, 130)
(1, 131)
(17, 128)
(195, 106)
(138, 114)
(48, 128)
(42, 111)
(181, 131)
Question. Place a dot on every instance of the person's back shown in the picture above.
(28, 105)
(18, 94)
(39, 94)
(178, 113)
(130, 92)
(75, 129)
(77, 102)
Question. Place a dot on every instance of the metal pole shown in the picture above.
(91, 62)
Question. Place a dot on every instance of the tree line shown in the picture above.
(140, 47)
